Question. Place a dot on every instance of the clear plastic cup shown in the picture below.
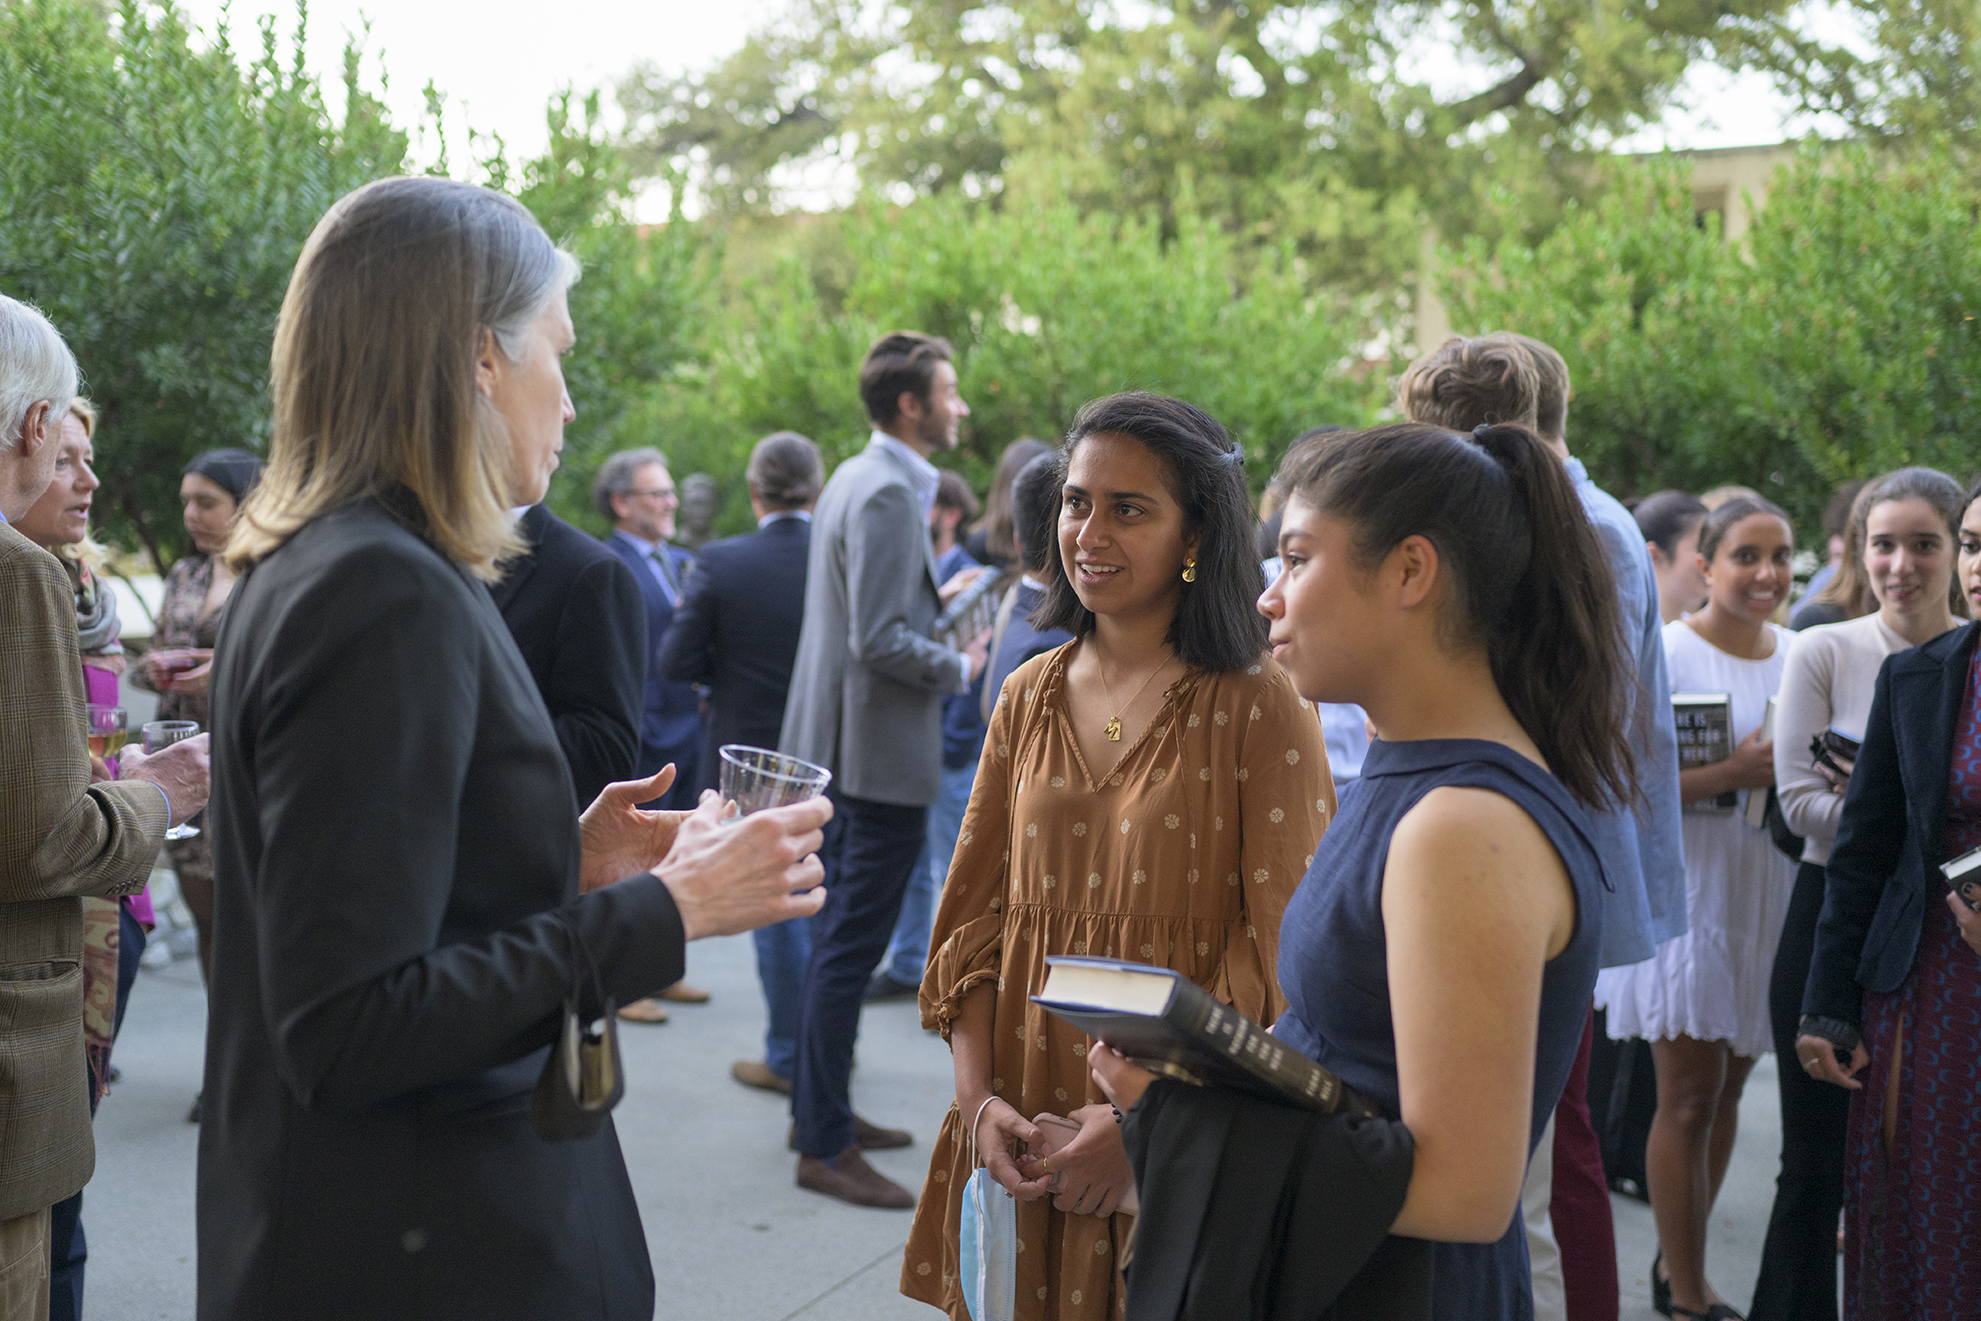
(756, 778)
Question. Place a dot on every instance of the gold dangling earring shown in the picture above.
(1190, 569)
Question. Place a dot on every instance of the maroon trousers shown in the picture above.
(1579, 1205)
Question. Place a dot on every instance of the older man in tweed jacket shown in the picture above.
(61, 836)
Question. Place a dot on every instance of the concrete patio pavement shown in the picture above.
(732, 1238)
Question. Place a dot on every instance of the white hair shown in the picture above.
(35, 367)
(531, 285)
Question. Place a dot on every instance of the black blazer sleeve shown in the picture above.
(1870, 841)
(598, 677)
(371, 730)
(687, 653)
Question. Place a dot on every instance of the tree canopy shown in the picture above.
(156, 189)
(1337, 125)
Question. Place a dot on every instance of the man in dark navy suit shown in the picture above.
(576, 613)
(635, 491)
(737, 632)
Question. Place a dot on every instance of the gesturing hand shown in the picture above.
(1090, 1174)
(729, 875)
(618, 839)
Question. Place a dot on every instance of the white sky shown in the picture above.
(499, 62)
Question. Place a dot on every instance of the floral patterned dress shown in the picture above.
(1183, 854)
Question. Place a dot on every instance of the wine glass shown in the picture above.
(756, 778)
(160, 735)
(106, 731)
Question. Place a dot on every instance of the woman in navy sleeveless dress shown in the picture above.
(1440, 953)
(1334, 969)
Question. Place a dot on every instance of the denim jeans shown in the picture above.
(783, 950)
(908, 952)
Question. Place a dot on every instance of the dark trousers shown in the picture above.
(1799, 1257)
(1579, 1203)
(870, 850)
(67, 1249)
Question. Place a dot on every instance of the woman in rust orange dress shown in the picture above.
(1151, 791)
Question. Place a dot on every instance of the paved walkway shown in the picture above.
(732, 1238)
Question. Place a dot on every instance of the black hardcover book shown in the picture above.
(1705, 735)
(1174, 1028)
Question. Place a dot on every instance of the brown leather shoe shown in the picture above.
(643, 1011)
(854, 1181)
(869, 1137)
(757, 1074)
(683, 994)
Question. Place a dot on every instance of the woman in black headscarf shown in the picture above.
(181, 653)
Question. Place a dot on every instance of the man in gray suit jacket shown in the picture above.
(864, 703)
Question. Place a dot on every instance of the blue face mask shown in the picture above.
(987, 1248)
(987, 1241)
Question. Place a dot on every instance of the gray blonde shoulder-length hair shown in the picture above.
(374, 365)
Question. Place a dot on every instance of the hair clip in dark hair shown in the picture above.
(1235, 456)
(1479, 432)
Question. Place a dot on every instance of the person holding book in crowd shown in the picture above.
(864, 705)
(1894, 984)
(1440, 952)
(1702, 999)
(1035, 533)
(1150, 791)
(1506, 377)
(1670, 522)
(1911, 535)
(899, 976)
(989, 538)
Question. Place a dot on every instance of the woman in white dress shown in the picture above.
(1702, 999)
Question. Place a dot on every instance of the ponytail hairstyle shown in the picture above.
(1526, 577)
(1664, 517)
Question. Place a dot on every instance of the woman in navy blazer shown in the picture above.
(1894, 988)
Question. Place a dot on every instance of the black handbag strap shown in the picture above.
(584, 954)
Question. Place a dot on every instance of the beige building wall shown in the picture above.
(1729, 182)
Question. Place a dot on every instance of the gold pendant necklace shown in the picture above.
(1113, 726)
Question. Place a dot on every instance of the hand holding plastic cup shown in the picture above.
(757, 778)
(160, 735)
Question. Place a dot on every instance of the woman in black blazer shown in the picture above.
(405, 893)
(1896, 980)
